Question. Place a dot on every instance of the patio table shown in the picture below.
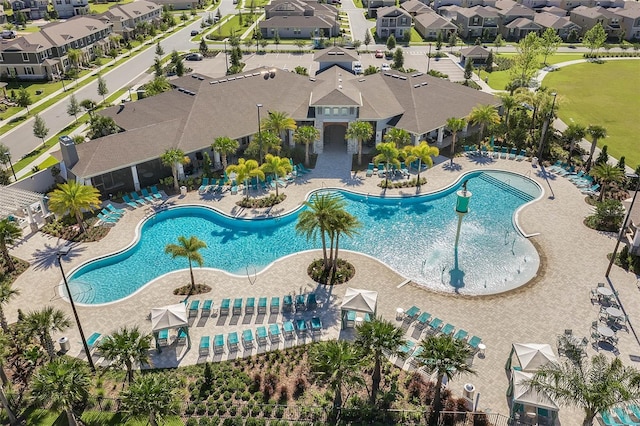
(605, 331)
(614, 312)
(605, 291)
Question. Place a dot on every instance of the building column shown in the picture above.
(466, 128)
(440, 135)
(136, 181)
(415, 139)
(216, 160)
(318, 145)
(43, 207)
(32, 222)
(292, 143)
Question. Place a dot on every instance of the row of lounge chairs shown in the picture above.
(628, 415)
(434, 325)
(291, 329)
(495, 152)
(135, 200)
(110, 214)
(213, 186)
(301, 303)
(580, 179)
(381, 170)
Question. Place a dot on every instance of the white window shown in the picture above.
(28, 70)
(343, 111)
(327, 111)
(25, 57)
(336, 111)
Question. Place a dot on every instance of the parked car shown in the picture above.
(8, 34)
(379, 54)
(385, 67)
(194, 57)
(194, 33)
(357, 68)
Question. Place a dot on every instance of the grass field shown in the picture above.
(605, 94)
(499, 79)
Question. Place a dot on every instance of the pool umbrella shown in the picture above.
(172, 316)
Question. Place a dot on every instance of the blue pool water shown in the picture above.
(415, 236)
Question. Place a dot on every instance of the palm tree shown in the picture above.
(508, 103)
(484, 116)
(152, 396)
(336, 363)
(73, 198)
(278, 122)
(245, 170)
(422, 153)
(172, 157)
(6, 293)
(455, 125)
(596, 132)
(360, 131)
(225, 146)
(278, 166)
(126, 347)
(444, 356)
(594, 386)
(606, 174)
(388, 153)
(62, 383)
(399, 137)
(44, 322)
(306, 135)
(574, 133)
(376, 337)
(189, 248)
(4, 401)
(343, 223)
(9, 233)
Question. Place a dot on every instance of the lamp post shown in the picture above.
(226, 58)
(15, 179)
(64, 252)
(429, 59)
(259, 131)
(545, 128)
(624, 224)
(129, 89)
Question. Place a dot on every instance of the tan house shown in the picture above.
(393, 21)
(588, 17)
(179, 4)
(630, 20)
(430, 24)
(415, 7)
(478, 21)
(299, 19)
(125, 18)
(562, 25)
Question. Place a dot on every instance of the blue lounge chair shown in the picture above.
(193, 308)
(423, 320)
(147, 196)
(512, 154)
(93, 340)
(316, 325)
(113, 209)
(300, 306)
(129, 202)
(522, 155)
(106, 219)
(261, 333)
(350, 319)
(370, 170)
(287, 303)
(412, 313)
(635, 410)
(496, 151)
(232, 341)
(182, 337)
(405, 350)
(435, 324)
(289, 330)
(624, 417)
(461, 334)
(312, 303)
(237, 306)
(608, 419)
(275, 305)
(218, 344)
(135, 197)
(163, 337)
(301, 326)
(204, 345)
(592, 190)
(247, 339)
(224, 307)
(110, 215)
(206, 307)
(250, 306)
(474, 342)
(448, 329)
(504, 152)
(262, 305)
(274, 332)
(156, 194)
(234, 188)
(204, 186)
(303, 168)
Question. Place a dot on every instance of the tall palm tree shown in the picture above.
(9, 234)
(376, 337)
(455, 125)
(152, 396)
(306, 135)
(189, 248)
(360, 131)
(278, 166)
(73, 198)
(607, 174)
(596, 132)
(268, 141)
(594, 386)
(336, 363)
(172, 157)
(422, 153)
(63, 383)
(245, 170)
(6, 293)
(278, 122)
(388, 153)
(574, 133)
(399, 137)
(484, 116)
(126, 347)
(509, 102)
(224, 146)
(4, 401)
(344, 223)
(44, 322)
(444, 356)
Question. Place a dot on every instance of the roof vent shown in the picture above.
(213, 82)
(339, 53)
(194, 76)
(415, 86)
(395, 76)
(387, 74)
(222, 80)
(340, 86)
(239, 77)
(362, 79)
(180, 89)
(231, 78)
(256, 73)
(402, 77)
(340, 80)
(312, 79)
(331, 53)
(424, 83)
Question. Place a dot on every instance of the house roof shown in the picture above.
(482, 11)
(555, 10)
(297, 21)
(474, 51)
(131, 10)
(593, 12)
(516, 10)
(333, 88)
(415, 6)
(434, 21)
(548, 20)
(392, 11)
(629, 12)
(523, 23)
(334, 53)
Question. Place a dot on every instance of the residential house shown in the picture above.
(561, 24)
(126, 17)
(335, 55)
(300, 19)
(180, 4)
(437, 4)
(478, 21)
(570, 4)
(415, 7)
(516, 20)
(393, 21)
(43, 55)
(449, 12)
(33, 9)
(375, 4)
(68, 8)
(630, 21)
(519, 28)
(430, 24)
(476, 54)
(554, 10)
(588, 17)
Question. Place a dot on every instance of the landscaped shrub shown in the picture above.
(436, 73)
(192, 422)
(261, 203)
(607, 217)
(255, 422)
(299, 387)
(66, 228)
(204, 421)
(401, 184)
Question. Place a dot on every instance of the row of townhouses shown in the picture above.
(38, 9)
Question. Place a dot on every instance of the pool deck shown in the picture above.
(573, 262)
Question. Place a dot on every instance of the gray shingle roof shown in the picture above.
(335, 54)
(434, 21)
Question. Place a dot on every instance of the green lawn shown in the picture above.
(231, 26)
(612, 102)
(103, 7)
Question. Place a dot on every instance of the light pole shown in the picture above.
(15, 179)
(429, 59)
(63, 252)
(545, 128)
(226, 58)
(624, 224)
(259, 131)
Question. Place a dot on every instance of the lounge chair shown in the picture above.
(474, 342)
(496, 152)
(206, 307)
(370, 170)
(155, 193)
(249, 309)
(135, 197)
(247, 339)
(435, 324)
(411, 313)
(193, 308)
(483, 151)
(301, 326)
(312, 303)
(608, 419)
(504, 152)
(592, 190)
(300, 306)
(316, 325)
(110, 214)
(624, 416)
(577, 176)
(287, 303)
(129, 202)
(182, 337)
(635, 410)
(218, 344)
(204, 346)
(232, 341)
(204, 187)
(163, 337)
(522, 155)
(224, 307)
(261, 333)
(94, 340)
(262, 305)
(289, 330)
(146, 195)
(422, 321)
(274, 333)
(350, 319)
(106, 219)
(113, 209)
(415, 361)
(303, 168)
(234, 188)
(461, 335)
(448, 329)
(513, 153)
(275, 305)
(237, 306)
(405, 350)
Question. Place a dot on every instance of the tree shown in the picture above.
(356, 44)
(594, 386)
(596, 132)
(439, 40)
(158, 85)
(245, 170)
(73, 198)
(4, 401)
(44, 322)
(343, 223)
(388, 153)
(157, 67)
(488, 65)
(603, 157)
(6, 294)
(203, 48)
(468, 69)
(74, 107)
(574, 133)
(263, 143)
(75, 58)
(455, 125)
(159, 50)
(422, 153)
(573, 36)
(595, 37)
(306, 135)
(88, 106)
(278, 122)
(113, 54)
(377, 337)
(336, 363)
(101, 125)
(367, 38)
(225, 146)
(280, 167)
(126, 347)
(509, 102)
(40, 129)
(453, 40)
(24, 98)
(360, 131)
(443, 355)
(177, 63)
(526, 61)
(549, 43)
(399, 137)
(276, 39)
(484, 116)
(391, 42)
(62, 383)
(102, 87)
(301, 44)
(152, 396)
(498, 42)
(172, 157)
(606, 174)
(398, 59)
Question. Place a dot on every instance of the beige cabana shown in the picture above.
(170, 317)
(531, 356)
(358, 301)
(534, 405)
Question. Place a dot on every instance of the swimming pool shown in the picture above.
(413, 235)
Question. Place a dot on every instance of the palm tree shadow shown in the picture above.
(47, 257)
(452, 167)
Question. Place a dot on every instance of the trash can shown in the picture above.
(468, 394)
(65, 345)
(183, 190)
(534, 162)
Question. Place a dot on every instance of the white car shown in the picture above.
(357, 68)
(385, 67)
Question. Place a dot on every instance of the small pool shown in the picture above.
(413, 235)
